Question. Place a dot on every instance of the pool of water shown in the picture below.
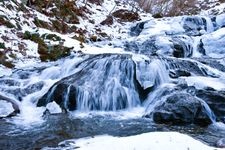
(60, 127)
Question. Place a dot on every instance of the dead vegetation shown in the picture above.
(170, 7)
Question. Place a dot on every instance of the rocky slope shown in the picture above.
(49, 30)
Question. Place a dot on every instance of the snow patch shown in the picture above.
(146, 141)
(6, 108)
(204, 82)
(53, 108)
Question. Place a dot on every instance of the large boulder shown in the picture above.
(137, 29)
(107, 82)
(215, 100)
(104, 82)
(182, 108)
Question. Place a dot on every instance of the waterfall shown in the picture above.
(152, 73)
(197, 47)
(157, 97)
(160, 72)
(124, 81)
(209, 111)
(209, 25)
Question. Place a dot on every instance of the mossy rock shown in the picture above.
(2, 46)
(5, 22)
(42, 24)
(27, 35)
(4, 61)
(65, 12)
(33, 37)
(22, 6)
(54, 53)
(60, 26)
(52, 37)
(48, 53)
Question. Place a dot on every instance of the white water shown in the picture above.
(153, 73)
(6, 108)
(150, 73)
(209, 25)
(196, 43)
(155, 98)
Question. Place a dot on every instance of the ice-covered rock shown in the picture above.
(214, 43)
(6, 108)
(53, 108)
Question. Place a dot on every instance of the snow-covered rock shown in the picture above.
(146, 141)
(53, 108)
(6, 108)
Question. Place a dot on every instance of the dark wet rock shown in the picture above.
(187, 66)
(18, 91)
(214, 63)
(7, 111)
(221, 143)
(200, 48)
(131, 46)
(215, 100)
(136, 30)
(179, 46)
(181, 108)
(179, 73)
(27, 73)
(182, 46)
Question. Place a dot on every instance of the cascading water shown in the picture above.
(163, 82)
(109, 83)
(208, 111)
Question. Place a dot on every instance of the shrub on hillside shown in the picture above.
(126, 15)
(170, 7)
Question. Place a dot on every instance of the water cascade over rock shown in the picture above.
(163, 70)
(107, 82)
(126, 73)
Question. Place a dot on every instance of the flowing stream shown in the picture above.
(121, 94)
